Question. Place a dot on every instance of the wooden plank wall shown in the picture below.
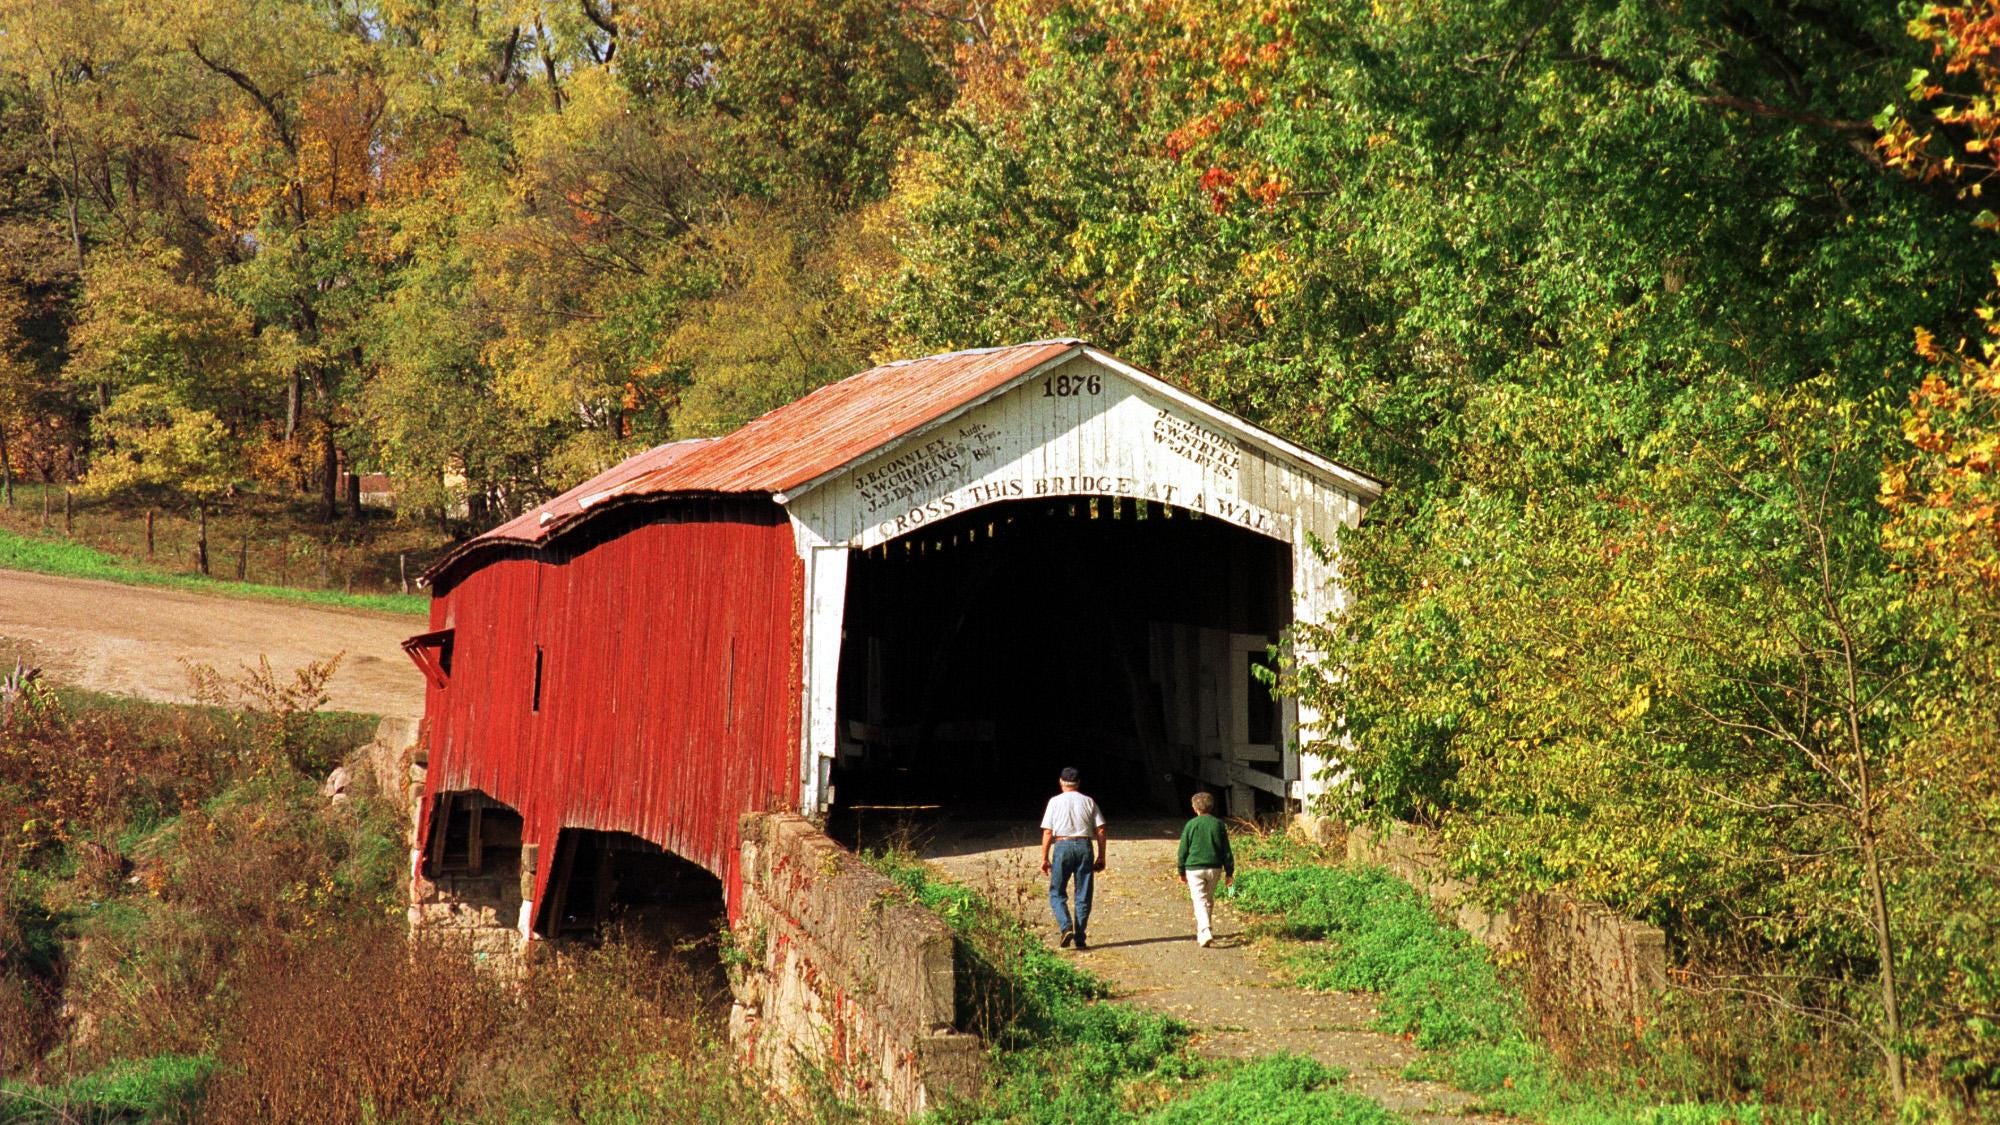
(669, 670)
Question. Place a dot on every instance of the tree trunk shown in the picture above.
(292, 406)
(329, 473)
(1878, 900)
(6, 471)
(1852, 705)
(201, 537)
(68, 187)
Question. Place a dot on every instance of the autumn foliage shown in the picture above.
(1681, 598)
(1946, 494)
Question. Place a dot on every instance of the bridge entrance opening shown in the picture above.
(987, 651)
(614, 884)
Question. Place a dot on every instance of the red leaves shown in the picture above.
(1219, 184)
(1966, 40)
(1944, 499)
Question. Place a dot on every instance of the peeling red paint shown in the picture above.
(637, 731)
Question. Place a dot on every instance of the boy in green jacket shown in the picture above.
(1204, 860)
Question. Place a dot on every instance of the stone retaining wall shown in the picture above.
(387, 756)
(481, 911)
(841, 981)
(1598, 961)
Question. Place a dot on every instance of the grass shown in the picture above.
(1276, 1090)
(1367, 931)
(158, 1089)
(267, 543)
(1063, 1053)
(19, 551)
(1060, 1052)
(1346, 928)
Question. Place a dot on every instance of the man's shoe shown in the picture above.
(1080, 943)
(1068, 937)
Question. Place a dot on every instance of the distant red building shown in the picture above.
(923, 584)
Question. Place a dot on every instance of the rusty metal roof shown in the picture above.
(836, 424)
(789, 446)
(806, 441)
(539, 522)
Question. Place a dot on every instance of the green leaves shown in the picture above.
(1609, 295)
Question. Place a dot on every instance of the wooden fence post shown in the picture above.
(149, 533)
(69, 517)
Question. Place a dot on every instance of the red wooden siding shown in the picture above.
(670, 673)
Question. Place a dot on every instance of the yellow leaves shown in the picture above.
(337, 166)
(1274, 278)
(1965, 39)
(238, 168)
(1635, 707)
(241, 170)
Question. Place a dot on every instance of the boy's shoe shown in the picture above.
(1068, 936)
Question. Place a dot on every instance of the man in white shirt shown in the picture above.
(1071, 821)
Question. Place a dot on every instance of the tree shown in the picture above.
(157, 446)
(184, 381)
(1582, 281)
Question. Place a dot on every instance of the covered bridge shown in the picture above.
(933, 583)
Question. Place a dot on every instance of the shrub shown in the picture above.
(612, 1035)
(354, 1024)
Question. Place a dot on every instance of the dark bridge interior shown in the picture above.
(985, 652)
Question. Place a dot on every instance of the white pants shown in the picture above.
(1201, 888)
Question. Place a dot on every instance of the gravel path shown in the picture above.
(1142, 941)
(134, 640)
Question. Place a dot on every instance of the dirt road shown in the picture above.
(1142, 941)
(136, 640)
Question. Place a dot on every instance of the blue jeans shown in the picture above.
(1070, 859)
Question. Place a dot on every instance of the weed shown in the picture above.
(254, 959)
(1277, 1090)
(615, 1034)
(356, 1021)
